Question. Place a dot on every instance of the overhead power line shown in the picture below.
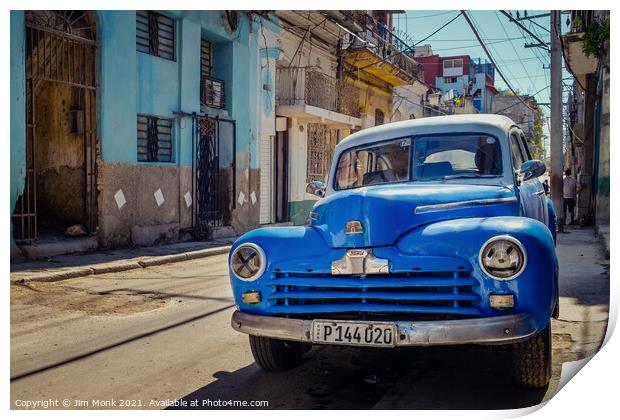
(520, 25)
(426, 16)
(517, 103)
(516, 52)
(484, 47)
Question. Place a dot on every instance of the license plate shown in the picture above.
(353, 333)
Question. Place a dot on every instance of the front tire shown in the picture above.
(532, 360)
(275, 355)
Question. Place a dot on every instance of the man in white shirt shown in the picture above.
(571, 189)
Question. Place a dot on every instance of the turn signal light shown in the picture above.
(251, 297)
(502, 301)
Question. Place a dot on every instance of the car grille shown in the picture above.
(438, 294)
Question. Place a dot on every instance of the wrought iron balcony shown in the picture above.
(310, 86)
(212, 92)
(387, 49)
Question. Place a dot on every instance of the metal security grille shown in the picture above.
(60, 48)
(214, 167)
(154, 139)
(379, 117)
(212, 90)
(316, 152)
(155, 34)
(206, 58)
(321, 144)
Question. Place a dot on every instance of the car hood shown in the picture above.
(389, 211)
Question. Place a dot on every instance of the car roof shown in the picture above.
(491, 123)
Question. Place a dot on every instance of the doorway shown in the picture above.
(61, 145)
(214, 174)
(281, 177)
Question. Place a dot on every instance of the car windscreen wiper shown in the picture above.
(468, 175)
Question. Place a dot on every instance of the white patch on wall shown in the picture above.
(253, 197)
(159, 197)
(241, 199)
(119, 197)
(188, 199)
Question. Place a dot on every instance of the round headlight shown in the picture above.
(503, 258)
(248, 262)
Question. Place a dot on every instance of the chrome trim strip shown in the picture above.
(493, 330)
(469, 203)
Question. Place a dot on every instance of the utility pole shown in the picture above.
(557, 137)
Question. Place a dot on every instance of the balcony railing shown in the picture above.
(580, 20)
(383, 43)
(212, 92)
(310, 86)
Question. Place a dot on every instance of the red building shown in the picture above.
(437, 66)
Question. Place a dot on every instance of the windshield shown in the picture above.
(376, 164)
(431, 157)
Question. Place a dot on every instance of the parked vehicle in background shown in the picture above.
(429, 232)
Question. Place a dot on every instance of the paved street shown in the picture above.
(162, 333)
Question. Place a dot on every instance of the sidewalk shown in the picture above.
(73, 265)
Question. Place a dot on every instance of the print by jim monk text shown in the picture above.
(133, 403)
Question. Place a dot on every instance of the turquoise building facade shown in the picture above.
(202, 78)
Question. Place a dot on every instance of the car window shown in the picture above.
(459, 155)
(526, 148)
(517, 155)
(374, 164)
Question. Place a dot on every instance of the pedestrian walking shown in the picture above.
(571, 189)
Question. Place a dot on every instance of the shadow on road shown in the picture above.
(463, 377)
(118, 344)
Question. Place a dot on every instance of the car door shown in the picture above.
(531, 192)
(539, 189)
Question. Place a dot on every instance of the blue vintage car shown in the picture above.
(428, 232)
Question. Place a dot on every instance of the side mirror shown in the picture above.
(316, 188)
(532, 169)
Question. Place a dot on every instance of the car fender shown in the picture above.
(535, 289)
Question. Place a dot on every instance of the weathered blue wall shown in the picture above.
(459, 86)
(155, 86)
(117, 86)
(131, 82)
(18, 108)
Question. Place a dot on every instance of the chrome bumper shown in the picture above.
(493, 330)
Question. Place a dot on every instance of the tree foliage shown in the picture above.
(595, 37)
(539, 135)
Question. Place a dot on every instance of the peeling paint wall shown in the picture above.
(138, 218)
(603, 186)
(59, 158)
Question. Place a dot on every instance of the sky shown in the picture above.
(523, 67)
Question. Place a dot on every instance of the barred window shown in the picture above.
(155, 34)
(379, 117)
(321, 144)
(206, 58)
(212, 90)
(154, 139)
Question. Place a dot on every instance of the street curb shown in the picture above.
(57, 276)
(115, 268)
(123, 265)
